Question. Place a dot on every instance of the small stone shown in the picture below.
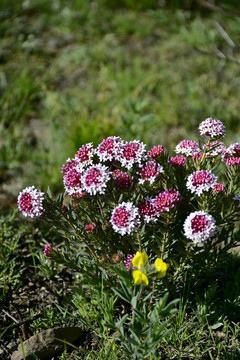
(45, 344)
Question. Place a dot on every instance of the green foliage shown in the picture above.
(81, 71)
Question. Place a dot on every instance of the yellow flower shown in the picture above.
(140, 259)
(140, 278)
(161, 267)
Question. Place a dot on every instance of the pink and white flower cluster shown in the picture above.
(215, 148)
(199, 226)
(178, 161)
(151, 209)
(212, 128)
(149, 172)
(125, 218)
(201, 181)
(30, 202)
(187, 148)
(232, 155)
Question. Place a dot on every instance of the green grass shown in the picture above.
(82, 71)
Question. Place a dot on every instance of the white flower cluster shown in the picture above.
(94, 179)
(201, 181)
(125, 218)
(187, 148)
(199, 226)
(30, 202)
(212, 128)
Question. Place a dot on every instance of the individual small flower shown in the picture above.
(123, 180)
(199, 227)
(178, 161)
(48, 250)
(131, 153)
(125, 218)
(30, 202)
(140, 259)
(128, 262)
(147, 210)
(155, 152)
(187, 148)
(232, 155)
(149, 172)
(89, 228)
(215, 148)
(94, 179)
(110, 148)
(164, 201)
(201, 181)
(72, 178)
(212, 128)
(85, 155)
(161, 267)
(140, 278)
(218, 188)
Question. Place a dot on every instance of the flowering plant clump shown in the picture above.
(121, 199)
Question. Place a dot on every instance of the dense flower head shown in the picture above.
(147, 210)
(128, 262)
(85, 155)
(149, 172)
(89, 228)
(215, 148)
(178, 161)
(48, 250)
(155, 152)
(232, 155)
(164, 201)
(212, 128)
(94, 179)
(199, 226)
(201, 181)
(132, 152)
(187, 148)
(110, 148)
(123, 180)
(125, 218)
(72, 178)
(218, 188)
(30, 202)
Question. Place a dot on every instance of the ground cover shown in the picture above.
(78, 71)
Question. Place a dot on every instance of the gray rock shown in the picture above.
(46, 344)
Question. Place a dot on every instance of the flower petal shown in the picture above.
(140, 278)
(140, 259)
(161, 267)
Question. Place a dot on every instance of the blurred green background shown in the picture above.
(75, 71)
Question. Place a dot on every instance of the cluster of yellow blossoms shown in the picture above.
(139, 261)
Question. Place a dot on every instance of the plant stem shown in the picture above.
(203, 155)
(101, 208)
(184, 262)
(77, 233)
(164, 238)
(139, 241)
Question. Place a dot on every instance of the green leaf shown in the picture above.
(122, 295)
